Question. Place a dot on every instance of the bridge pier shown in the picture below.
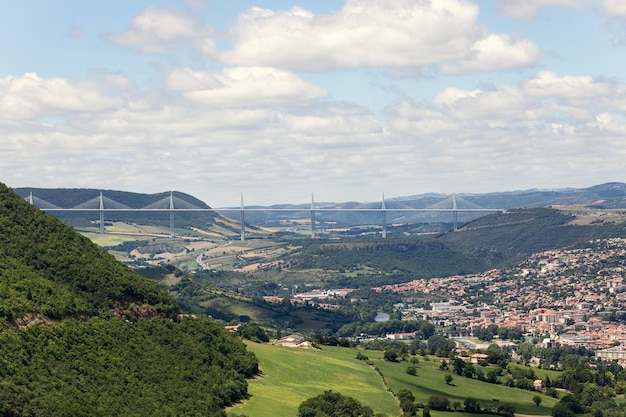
(171, 215)
(384, 218)
(242, 221)
(312, 217)
(454, 212)
(101, 214)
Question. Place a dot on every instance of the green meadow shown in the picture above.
(430, 380)
(291, 375)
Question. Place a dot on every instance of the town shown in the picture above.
(569, 297)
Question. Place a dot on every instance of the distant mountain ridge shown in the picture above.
(68, 198)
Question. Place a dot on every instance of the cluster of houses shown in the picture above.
(576, 296)
(572, 297)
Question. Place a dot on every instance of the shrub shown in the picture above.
(439, 403)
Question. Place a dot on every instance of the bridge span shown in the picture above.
(98, 205)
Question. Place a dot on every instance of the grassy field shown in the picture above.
(430, 381)
(292, 375)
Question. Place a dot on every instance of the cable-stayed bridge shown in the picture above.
(173, 204)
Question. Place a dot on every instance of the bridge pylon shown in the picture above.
(172, 234)
(312, 217)
(384, 217)
(101, 214)
(242, 221)
(455, 212)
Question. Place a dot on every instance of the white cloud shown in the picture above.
(549, 84)
(551, 125)
(156, 30)
(528, 9)
(370, 33)
(150, 142)
(497, 52)
(615, 8)
(243, 86)
(503, 103)
(30, 96)
(296, 138)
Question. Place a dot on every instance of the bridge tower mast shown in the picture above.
(101, 214)
(384, 214)
(312, 217)
(454, 212)
(242, 221)
(171, 214)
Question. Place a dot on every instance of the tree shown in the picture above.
(333, 404)
(440, 345)
(459, 366)
(405, 395)
(537, 400)
(448, 378)
(506, 410)
(254, 333)
(391, 355)
(492, 376)
(471, 405)
(439, 403)
(411, 370)
(552, 392)
(561, 410)
(426, 412)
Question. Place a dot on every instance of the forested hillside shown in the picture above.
(416, 256)
(47, 268)
(490, 242)
(82, 335)
(517, 233)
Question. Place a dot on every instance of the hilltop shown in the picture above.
(89, 198)
(83, 335)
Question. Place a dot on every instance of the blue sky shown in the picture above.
(345, 99)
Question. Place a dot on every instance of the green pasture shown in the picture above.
(430, 381)
(292, 375)
(107, 239)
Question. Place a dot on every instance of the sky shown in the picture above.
(279, 99)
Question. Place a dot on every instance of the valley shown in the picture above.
(525, 287)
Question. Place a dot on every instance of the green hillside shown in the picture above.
(422, 256)
(82, 335)
(516, 233)
(290, 376)
(489, 242)
(47, 268)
